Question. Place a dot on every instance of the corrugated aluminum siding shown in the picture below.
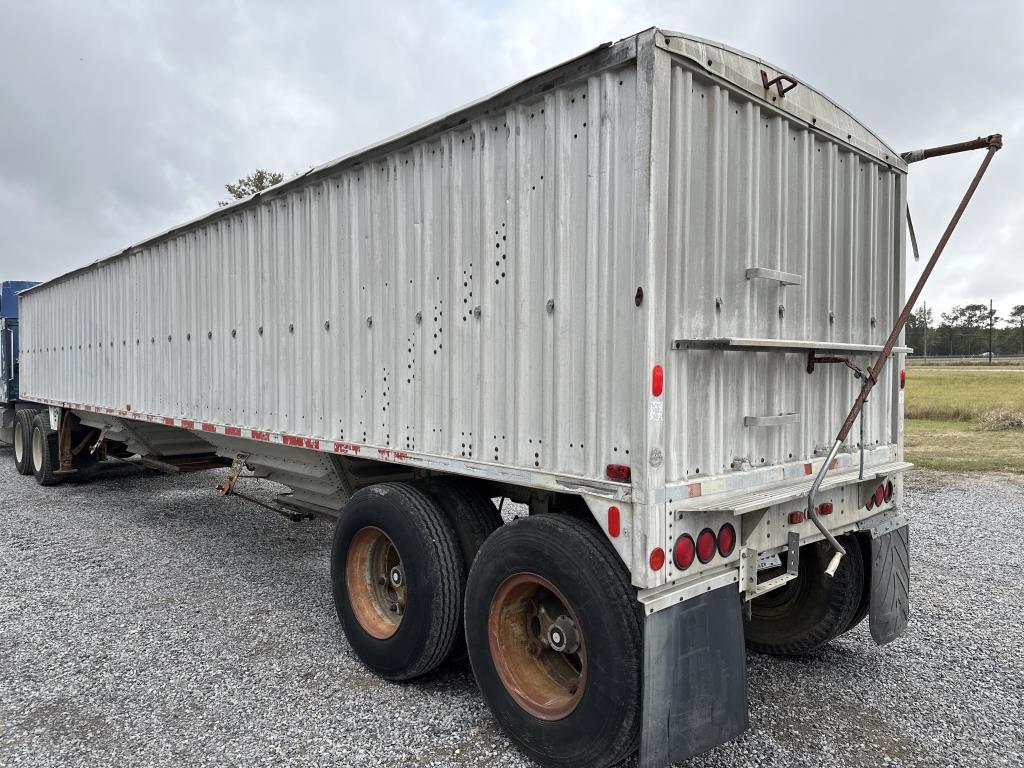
(365, 284)
(750, 187)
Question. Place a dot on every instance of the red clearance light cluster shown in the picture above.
(882, 495)
(825, 508)
(708, 543)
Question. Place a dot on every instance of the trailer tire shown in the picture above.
(21, 439)
(473, 516)
(45, 451)
(865, 597)
(407, 624)
(812, 609)
(572, 708)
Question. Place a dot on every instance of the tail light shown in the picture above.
(879, 496)
(684, 552)
(825, 509)
(795, 518)
(888, 491)
(870, 503)
(726, 540)
(706, 545)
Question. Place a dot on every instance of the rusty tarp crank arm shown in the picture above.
(993, 144)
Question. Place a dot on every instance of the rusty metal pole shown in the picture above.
(993, 143)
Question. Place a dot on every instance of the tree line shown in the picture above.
(965, 331)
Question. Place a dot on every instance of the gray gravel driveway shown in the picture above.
(146, 622)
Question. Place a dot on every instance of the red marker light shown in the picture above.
(657, 559)
(903, 378)
(825, 509)
(617, 472)
(657, 381)
(795, 518)
(614, 522)
(684, 552)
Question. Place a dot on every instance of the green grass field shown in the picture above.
(965, 417)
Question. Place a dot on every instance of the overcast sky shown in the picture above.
(121, 119)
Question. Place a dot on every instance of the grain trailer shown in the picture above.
(636, 292)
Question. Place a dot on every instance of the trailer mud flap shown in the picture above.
(890, 585)
(695, 678)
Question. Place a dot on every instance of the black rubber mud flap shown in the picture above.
(890, 585)
(695, 678)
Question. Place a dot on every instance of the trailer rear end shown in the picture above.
(637, 292)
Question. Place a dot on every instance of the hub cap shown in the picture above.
(537, 646)
(375, 581)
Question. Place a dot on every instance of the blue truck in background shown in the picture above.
(9, 354)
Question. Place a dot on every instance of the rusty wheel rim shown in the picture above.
(538, 647)
(375, 582)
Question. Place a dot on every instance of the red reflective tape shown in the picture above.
(209, 428)
(346, 448)
(233, 431)
(401, 456)
(168, 420)
(808, 468)
(188, 424)
(301, 442)
(263, 437)
(693, 490)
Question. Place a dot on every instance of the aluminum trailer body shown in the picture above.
(625, 282)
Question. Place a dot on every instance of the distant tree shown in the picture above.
(1017, 316)
(921, 319)
(918, 325)
(251, 184)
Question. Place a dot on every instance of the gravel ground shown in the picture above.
(147, 622)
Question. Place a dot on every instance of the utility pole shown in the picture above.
(991, 323)
(924, 314)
